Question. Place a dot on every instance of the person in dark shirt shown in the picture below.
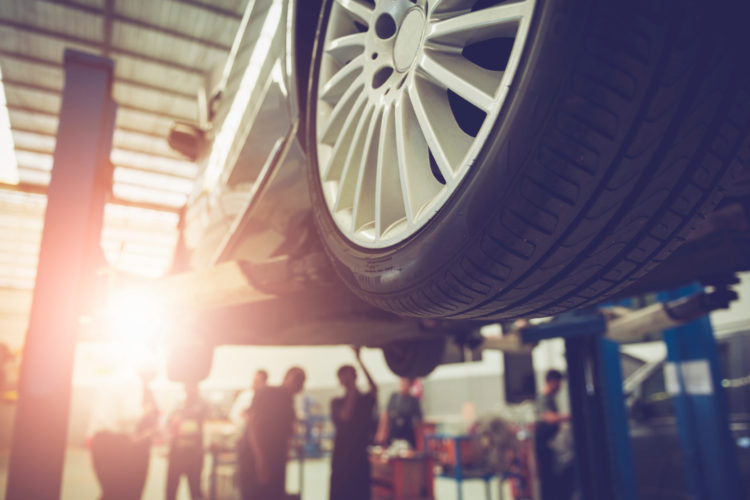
(270, 427)
(186, 446)
(402, 417)
(352, 417)
(121, 459)
(547, 427)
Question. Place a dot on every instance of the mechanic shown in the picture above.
(186, 447)
(548, 423)
(270, 426)
(121, 458)
(352, 416)
(402, 417)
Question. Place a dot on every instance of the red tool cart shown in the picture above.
(402, 477)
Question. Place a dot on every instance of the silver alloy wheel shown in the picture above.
(406, 99)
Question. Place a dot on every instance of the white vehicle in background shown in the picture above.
(466, 160)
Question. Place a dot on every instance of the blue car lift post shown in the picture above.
(604, 461)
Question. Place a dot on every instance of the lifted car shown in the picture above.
(469, 160)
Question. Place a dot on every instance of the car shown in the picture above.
(657, 454)
(470, 160)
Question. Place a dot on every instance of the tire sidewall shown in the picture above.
(554, 34)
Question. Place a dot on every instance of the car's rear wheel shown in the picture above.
(485, 158)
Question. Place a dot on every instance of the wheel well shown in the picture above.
(306, 24)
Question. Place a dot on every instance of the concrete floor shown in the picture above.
(80, 484)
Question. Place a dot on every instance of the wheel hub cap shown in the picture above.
(408, 39)
(407, 95)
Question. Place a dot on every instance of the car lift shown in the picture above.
(599, 418)
(81, 180)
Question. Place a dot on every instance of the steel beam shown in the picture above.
(39, 189)
(109, 15)
(96, 44)
(213, 8)
(604, 462)
(48, 63)
(80, 182)
(52, 91)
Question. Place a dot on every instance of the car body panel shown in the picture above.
(253, 187)
(657, 452)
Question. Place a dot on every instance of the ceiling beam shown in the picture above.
(97, 45)
(120, 105)
(156, 154)
(212, 8)
(155, 171)
(118, 79)
(124, 129)
(204, 42)
(142, 132)
(110, 16)
(29, 109)
(138, 184)
(39, 189)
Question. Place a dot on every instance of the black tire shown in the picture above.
(414, 359)
(621, 129)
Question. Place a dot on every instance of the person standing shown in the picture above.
(241, 404)
(186, 446)
(270, 427)
(145, 431)
(548, 423)
(402, 417)
(352, 417)
(120, 449)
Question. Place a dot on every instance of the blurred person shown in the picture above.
(402, 417)
(241, 404)
(352, 417)
(417, 389)
(121, 457)
(548, 423)
(263, 455)
(186, 443)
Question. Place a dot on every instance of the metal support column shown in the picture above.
(604, 463)
(692, 376)
(81, 179)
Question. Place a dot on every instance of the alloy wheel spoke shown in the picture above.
(475, 84)
(347, 183)
(340, 151)
(418, 183)
(363, 211)
(390, 197)
(337, 117)
(447, 142)
(358, 9)
(343, 79)
(347, 47)
(469, 27)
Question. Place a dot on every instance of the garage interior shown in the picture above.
(95, 291)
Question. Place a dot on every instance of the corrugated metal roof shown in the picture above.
(162, 51)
